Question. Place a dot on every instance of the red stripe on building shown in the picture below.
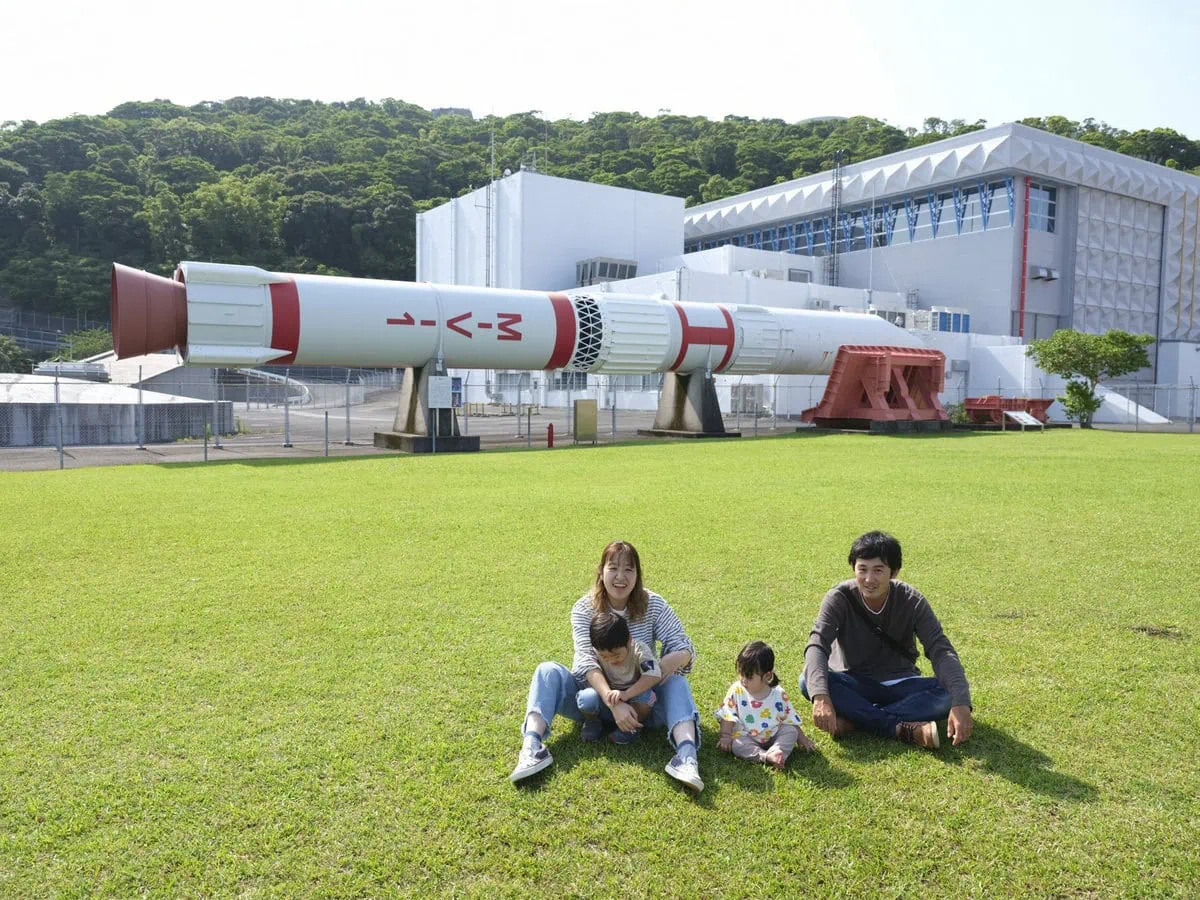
(564, 331)
(704, 334)
(285, 320)
(1024, 262)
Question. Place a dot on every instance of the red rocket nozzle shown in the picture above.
(149, 312)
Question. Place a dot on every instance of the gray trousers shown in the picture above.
(785, 739)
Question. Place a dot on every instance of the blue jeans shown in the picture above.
(877, 707)
(553, 692)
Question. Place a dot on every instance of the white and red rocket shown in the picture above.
(224, 315)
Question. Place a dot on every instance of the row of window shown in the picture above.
(965, 207)
(578, 381)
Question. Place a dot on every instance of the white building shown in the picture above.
(1022, 231)
(530, 231)
(1028, 231)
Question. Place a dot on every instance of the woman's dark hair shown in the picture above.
(877, 545)
(757, 658)
(609, 632)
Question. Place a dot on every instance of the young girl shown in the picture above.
(757, 719)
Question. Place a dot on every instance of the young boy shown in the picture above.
(630, 669)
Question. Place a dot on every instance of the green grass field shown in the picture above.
(306, 679)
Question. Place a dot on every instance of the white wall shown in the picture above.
(1178, 363)
(566, 221)
(542, 227)
(975, 271)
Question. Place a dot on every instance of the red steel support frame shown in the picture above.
(1024, 262)
(882, 384)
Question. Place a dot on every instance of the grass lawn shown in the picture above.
(286, 679)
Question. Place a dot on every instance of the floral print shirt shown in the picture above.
(759, 719)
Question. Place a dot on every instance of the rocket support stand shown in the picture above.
(688, 408)
(411, 431)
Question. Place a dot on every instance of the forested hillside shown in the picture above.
(296, 185)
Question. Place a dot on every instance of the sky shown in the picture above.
(789, 59)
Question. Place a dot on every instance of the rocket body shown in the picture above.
(224, 315)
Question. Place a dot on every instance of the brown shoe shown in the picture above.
(843, 727)
(923, 734)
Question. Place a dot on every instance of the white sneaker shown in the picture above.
(531, 762)
(687, 772)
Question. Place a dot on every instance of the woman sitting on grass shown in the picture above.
(555, 688)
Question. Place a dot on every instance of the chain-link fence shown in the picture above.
(186, 414)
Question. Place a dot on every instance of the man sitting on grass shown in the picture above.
(860, 663)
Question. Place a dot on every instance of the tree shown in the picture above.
(89, 342)
(1087, 359)
(12, 357)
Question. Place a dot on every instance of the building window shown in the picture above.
(1043, 201)
(569, 381)
(801, 275)
(512, 381)
(890, 220)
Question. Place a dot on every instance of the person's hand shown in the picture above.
(725, 743)
(625, 717)
(612, 698)
(959, 724)
(806, 743)
(824, 715)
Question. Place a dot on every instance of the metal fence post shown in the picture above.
(529, 426)
(775, 405)
(141, 415)
(58, 418)
(1192, 417)
(217, 419)
(466, 404)
(736, 402)
(612, 399)
(347, 442)
(206, 435)
(520, 379)
(287, 403)
(247, 393)
(326, 432)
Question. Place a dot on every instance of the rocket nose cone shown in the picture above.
(149, 312)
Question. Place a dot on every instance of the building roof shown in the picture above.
(1005, 148)
(40, 389)
(125, 371)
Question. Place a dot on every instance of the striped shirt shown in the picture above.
(659, 624)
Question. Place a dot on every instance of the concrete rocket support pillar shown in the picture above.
(411, 432)
(688, 407)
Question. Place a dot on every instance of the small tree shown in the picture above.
(89, 342)
(12, 357)
(1087, 359)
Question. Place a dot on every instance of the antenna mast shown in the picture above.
(831, 258)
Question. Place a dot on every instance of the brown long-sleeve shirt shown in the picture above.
(842, 641)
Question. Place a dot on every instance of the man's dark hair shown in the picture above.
(609, 632)
(877, 545)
